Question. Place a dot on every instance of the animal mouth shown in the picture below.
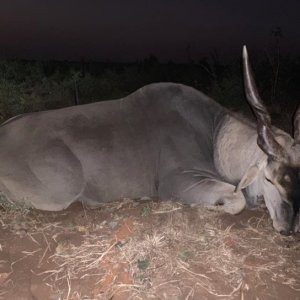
(286, 232)
(285, 228)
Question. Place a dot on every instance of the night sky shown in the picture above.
(130, 30)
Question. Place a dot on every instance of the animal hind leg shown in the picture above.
(57, 176)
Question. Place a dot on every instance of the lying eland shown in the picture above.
(165, 140)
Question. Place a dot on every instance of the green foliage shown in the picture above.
(229, 92)
(11, 99)
(143, 264)
(8, 206)
(146, 212)
(185, 255)
(27, 86)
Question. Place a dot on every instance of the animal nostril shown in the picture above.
(286, 232)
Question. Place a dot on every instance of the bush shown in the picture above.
(27, 86)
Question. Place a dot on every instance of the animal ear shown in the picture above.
(250, 175)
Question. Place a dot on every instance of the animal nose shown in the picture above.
(286, 232)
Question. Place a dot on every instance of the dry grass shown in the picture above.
(171, 253)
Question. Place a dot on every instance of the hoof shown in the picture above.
(234, 204)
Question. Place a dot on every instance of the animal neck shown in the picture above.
(235, 148)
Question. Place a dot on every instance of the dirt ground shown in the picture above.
(145, 250)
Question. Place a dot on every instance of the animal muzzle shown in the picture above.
(286, 232)
(284, 229)
(286, 219)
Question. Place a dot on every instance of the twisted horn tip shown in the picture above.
(245, 52)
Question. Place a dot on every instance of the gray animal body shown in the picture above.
(165, 140)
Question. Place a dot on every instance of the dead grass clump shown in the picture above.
(169, 251)
(10, 207)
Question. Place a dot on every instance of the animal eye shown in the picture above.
(269, 180)
(287, 178)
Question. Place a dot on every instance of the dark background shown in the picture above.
(57, 53)
(119, 30)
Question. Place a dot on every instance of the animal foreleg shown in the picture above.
(207, 192)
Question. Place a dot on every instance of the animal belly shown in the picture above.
(114, 184)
